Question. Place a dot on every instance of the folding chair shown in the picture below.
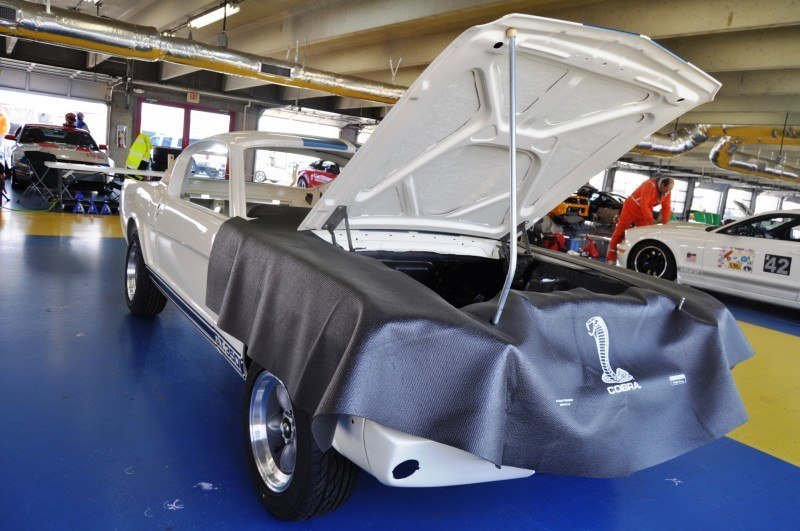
(44, 180)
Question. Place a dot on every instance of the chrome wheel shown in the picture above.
(651, 260)
(130, 270)
(273, 433)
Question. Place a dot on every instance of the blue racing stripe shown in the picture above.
(326, 144)
(228, 351)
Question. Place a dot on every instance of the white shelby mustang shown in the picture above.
(597, 328)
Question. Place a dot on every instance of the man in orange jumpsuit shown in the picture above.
(638, 209)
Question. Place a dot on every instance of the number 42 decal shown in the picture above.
(780, 265)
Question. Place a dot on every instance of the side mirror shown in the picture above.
(103, 147)
(10, 137)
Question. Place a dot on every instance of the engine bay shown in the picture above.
(463, 280)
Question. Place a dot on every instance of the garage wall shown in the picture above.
(123, 110)
(53, 85)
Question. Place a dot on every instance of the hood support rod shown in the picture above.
(511, 33)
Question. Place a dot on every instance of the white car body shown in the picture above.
(728, 259)
(63, 151)
(586, 95)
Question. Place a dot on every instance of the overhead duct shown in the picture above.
(726, 152)
(683, 140)
(726, 155)
(672, 145)
(63, 27)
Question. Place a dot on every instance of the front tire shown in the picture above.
(141, 294)
(654, 259)
(302, 183)
(15, 183)
(294, 478)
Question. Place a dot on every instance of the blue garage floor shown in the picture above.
(113, 422)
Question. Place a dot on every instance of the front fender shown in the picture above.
(139, 204)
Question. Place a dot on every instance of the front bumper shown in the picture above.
(398, 459)
(622, 253)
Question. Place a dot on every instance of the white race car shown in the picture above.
(390, 323)
(756, 257)
(65, 144)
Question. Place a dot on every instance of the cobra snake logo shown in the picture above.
(597, 328)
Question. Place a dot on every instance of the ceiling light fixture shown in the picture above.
(213, 16)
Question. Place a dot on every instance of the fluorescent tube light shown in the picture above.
(213, 16)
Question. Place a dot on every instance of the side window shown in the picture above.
(789, 231)
(269, 166)
(770, 228)
(205, 182)
(752, 229)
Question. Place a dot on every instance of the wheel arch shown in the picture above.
(131, 228)
(670, 271)
(138, 226)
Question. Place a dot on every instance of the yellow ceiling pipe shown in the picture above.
(26, 20)
(726, 155)
(688, 138)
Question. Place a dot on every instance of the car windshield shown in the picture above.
(58, 135)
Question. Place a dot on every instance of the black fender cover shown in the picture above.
(570, 382)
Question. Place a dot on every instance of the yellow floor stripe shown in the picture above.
(769, 386)
(19, 224)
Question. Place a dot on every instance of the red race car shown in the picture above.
(317, 173)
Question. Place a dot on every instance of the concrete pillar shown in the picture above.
(120, 115)
(249, 117)
(723, 201)
(349, 133)
(608, 179)
(687, 206)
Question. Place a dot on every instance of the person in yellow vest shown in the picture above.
(139, 154)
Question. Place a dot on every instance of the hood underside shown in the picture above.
(439, 161)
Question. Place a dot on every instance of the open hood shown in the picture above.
(439, 161)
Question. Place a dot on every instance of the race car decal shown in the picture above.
(780, 265)
(691, 257)
(736, 258)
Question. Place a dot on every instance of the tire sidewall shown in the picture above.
(289, 504)
(134, 242)
(670, 273)
(147, 300)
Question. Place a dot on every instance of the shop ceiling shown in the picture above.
(751, 47)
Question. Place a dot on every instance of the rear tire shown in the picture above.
(302, 183)
(141, 294)
(294, 478)
(654, 259)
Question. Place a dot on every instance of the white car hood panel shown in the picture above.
(439, 160)
(676, 226)
(68, 153)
